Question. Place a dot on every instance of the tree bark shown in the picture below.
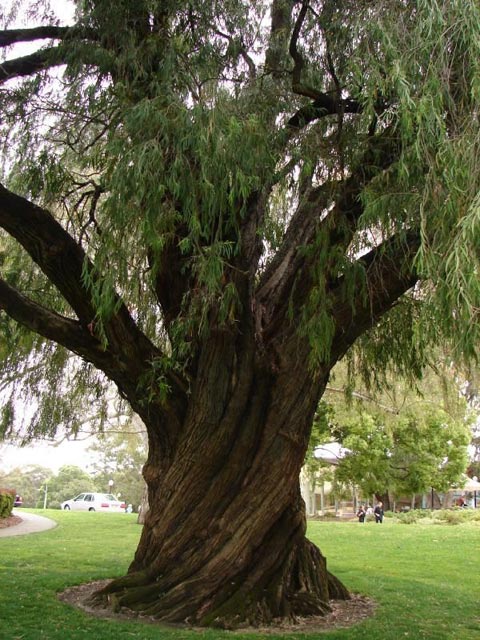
(224, 542)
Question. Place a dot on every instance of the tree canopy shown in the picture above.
(329, 150)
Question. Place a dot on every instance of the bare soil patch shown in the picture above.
(10, 521)
(345, 613)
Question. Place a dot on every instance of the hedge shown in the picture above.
(7, 498)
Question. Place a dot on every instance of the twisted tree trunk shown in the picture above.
(224, 539)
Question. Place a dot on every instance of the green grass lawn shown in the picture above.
(426, 579)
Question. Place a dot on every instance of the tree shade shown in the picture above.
(209, 204)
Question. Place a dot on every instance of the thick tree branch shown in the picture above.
(51, 247)
(53, 326)
(277, 278)
(390, 272)
(323, 105)
(171, 279)
(281, 16)
(311, 222)
(125, 371)
(44, 58)
(12, 36)
(33, 63)
(298, 61)
(128, 356)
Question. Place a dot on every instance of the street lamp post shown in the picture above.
(110, 486)
(45, 493)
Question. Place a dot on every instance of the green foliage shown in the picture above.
(408, 458)
(160, 139)
(410, 517)
(456, 516)
(29, 483)
(401, 440)
(453, 516)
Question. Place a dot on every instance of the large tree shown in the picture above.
(210, 203)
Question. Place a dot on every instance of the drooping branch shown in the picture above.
(365, 398)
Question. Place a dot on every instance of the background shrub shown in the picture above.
(453, 516)
(409, 517)
(7, 498)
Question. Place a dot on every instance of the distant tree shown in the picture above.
(28, 482)
(400, 436)
(406, 457)
(68, 483)
(119, 456)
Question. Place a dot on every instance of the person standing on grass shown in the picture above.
(378, 512)
(361, 513)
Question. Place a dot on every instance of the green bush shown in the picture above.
(453, 516)
(424, 513)
(442, 516)
(7, 498)
(409, 517)
(475, 515)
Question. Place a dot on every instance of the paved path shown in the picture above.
(31, 523)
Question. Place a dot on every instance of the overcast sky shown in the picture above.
(46, 455)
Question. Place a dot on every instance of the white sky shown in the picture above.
(64, 9)
(46, 455)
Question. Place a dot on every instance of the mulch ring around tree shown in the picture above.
(11, 521)
(345, 613)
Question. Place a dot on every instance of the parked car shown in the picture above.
(18, 501)
(94, 502)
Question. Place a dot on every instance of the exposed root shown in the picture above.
(341, 614)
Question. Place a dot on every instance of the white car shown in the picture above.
(94, 502)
